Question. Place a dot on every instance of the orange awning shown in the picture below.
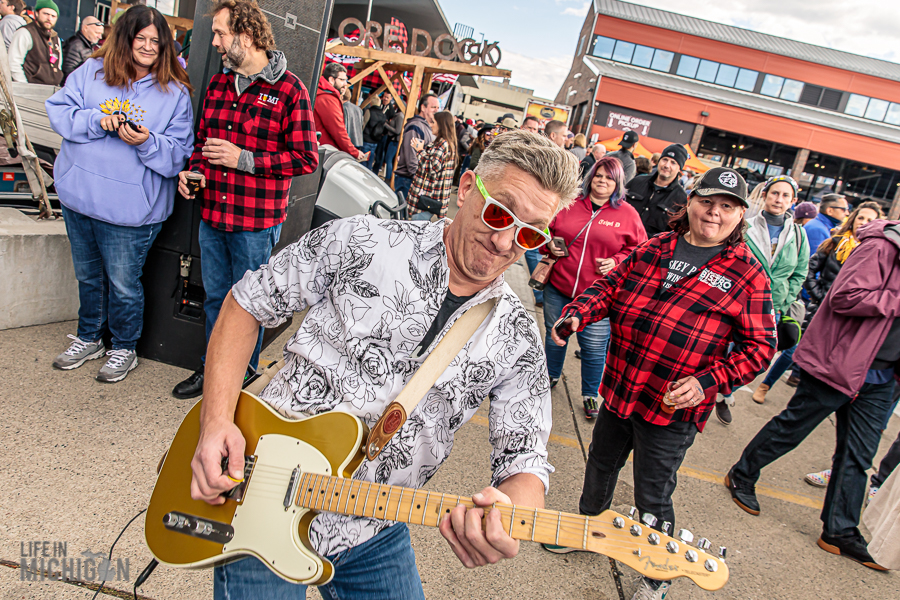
(693, 163)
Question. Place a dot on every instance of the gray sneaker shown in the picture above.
(78, 353)
(118, 365)
(651, 589)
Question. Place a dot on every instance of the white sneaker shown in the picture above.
(78, 353)
(117, 367)
(651, 589)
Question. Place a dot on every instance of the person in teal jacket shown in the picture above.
(781, 247)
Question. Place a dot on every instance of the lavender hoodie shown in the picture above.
(849, 328)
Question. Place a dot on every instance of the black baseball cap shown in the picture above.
(629, 139)
(722, 180)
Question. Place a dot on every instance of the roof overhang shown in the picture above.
(419, 14)
(745, 100)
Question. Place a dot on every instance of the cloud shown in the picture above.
(544, 75)
(577, 11)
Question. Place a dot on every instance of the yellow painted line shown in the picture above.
(696, 473)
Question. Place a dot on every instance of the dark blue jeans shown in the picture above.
(390, 151)
(593, 341)
(784, 362)
(382, 568)
(224, 258)
(532, 258)
(658, 453)
(109, 260)
(370, 148)
(402, 184)
(858, 433)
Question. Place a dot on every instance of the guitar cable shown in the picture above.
(144, 574)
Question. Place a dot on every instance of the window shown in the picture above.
(687, 66)
(831, 99)
(746, 80)
(643, 56)
(727, 75)
(624, 52)
(603, 47)
(811, 95)
(580, 45)
(856, 105)
(707, 71)
(791, 90)
(893, 114)
(877, 109)
(662, 60)
(771, 85)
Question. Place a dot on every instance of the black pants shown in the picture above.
(658, 453)
(888, 464)
(858, 431)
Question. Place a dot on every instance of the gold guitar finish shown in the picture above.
(327, 449)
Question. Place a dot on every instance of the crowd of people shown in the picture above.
(678, 293)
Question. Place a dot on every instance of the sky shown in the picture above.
(538, 37)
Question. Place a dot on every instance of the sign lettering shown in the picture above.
(624, 122)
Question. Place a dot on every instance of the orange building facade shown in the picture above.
(740, 98)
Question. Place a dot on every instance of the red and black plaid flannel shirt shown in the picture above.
(275, 123)
(659, 336)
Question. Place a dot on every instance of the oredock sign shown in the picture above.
(444, 47)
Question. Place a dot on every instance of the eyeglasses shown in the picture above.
(846, 209)
(499, 218)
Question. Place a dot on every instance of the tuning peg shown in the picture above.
(691, 555)
(666, 526)
(618, 522)
(653, 538)
(685, 536)
(635, 530)
(722, 551)
(649, 520)
(703, 544)
(672, 547)
(711, 565)
(633, 512)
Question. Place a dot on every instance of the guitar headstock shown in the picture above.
(653, 553)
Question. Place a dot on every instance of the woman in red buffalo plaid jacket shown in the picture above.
(674, 306)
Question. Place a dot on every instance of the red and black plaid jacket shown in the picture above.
(275, 123)
(659, 336)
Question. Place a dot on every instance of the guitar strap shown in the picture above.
(422, 380)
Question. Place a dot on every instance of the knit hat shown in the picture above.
(46, 4)
(805, 210)
(782, 178)
(676, 152)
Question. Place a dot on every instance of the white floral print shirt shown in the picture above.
(374, 287)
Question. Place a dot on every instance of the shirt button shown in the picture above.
(234, 105)
(224, 197)
(229, 127)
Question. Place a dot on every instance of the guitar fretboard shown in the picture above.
(421, 507)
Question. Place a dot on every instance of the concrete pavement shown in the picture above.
(79, 458)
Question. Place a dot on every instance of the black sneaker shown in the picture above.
(743, 494)
(852, 546)
(578, 354)
(190, 387)
(723, 412)
(553, 382)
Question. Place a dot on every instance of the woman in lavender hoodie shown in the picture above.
(126, 121)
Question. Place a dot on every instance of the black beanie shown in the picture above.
(678, 153)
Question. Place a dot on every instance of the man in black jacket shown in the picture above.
(80, 46)
(656, 195)
(629, 139)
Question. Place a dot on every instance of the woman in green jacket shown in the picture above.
(781, 247)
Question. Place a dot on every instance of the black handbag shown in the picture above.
(431, 205)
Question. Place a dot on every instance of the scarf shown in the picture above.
(847, 242)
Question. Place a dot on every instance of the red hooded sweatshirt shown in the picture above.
(613, 233)
(329, 117)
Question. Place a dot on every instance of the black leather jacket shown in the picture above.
(827, 268)
(655, 206)
(76, 50)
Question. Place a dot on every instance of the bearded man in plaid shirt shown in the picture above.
(256, 133)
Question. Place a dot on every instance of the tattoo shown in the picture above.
(699, 390)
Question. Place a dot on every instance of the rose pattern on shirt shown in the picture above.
(373, 287)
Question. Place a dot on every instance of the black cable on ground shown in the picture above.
(99, 589)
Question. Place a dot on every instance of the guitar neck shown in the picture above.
(420, 507)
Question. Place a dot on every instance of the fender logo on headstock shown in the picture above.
(666, 566)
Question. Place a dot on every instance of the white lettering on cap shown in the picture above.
(728, 179)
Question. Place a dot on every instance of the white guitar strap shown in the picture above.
(422, 380)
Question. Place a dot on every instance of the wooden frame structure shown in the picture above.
(176, 24)
(423, 69)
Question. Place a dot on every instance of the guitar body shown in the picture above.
(261, 525)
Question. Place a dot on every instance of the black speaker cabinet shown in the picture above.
(174, 324)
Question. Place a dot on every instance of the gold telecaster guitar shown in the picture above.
(296, 469)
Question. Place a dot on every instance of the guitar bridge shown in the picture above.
(237, 492)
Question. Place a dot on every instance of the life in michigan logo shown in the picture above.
(43, 559)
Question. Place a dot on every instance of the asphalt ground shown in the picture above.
(79, 457)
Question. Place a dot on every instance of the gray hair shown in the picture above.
(555, 169)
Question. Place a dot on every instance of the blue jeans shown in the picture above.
(781, 365)
(593, 341)
(464, 166)
(224, 258)
(858, 434)
(370, 148)
(382, 568)
(532, 258)
(109, 260)
(390, 152)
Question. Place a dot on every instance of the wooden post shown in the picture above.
(390, 88)
(411, 103)
(427, 85)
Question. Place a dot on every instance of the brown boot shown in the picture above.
(759, 396)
